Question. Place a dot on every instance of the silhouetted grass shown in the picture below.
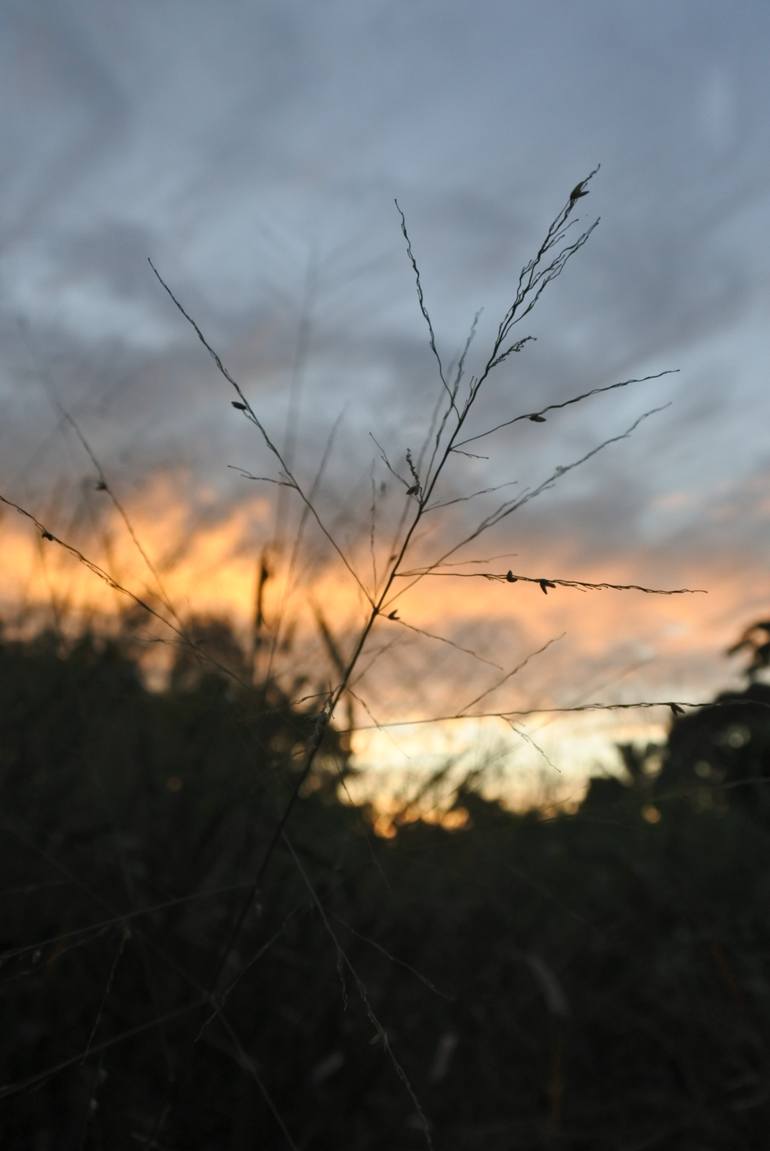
(207, 946)
(594, 980)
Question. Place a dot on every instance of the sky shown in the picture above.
(254, 152)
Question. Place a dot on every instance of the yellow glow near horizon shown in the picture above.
(214, 570)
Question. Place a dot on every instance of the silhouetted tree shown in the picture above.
(213, 637)
(720, 755)
(755, 642)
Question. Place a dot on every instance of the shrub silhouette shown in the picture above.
(589, 980)
(720, 754)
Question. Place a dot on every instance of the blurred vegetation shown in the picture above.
(596, 980)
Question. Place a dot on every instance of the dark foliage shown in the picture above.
(720, 755)
(592, 981)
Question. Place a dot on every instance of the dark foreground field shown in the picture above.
(593, 981)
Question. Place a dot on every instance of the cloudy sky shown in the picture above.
(254, 151)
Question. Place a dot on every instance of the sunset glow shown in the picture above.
(291, 307)
(630, 646)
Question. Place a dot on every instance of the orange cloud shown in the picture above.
(618, 646)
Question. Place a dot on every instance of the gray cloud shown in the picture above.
(241, 147)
